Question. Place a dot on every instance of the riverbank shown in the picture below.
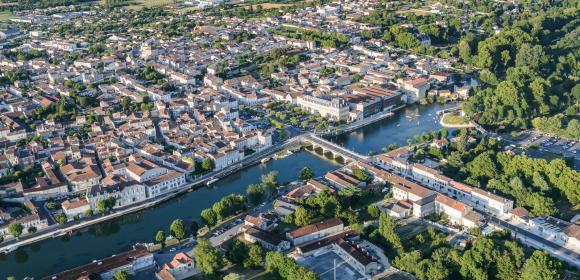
(116, 235)
(58, 230)
(119, 234)
(363, 122)
(404, 124)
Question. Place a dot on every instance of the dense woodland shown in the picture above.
(525, 56)
(530, 70)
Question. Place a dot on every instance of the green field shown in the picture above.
(4, 16)
(140, 4)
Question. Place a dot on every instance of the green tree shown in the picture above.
(387, 229)
(464, 50)
(302, 216)
(254, 259)
(255, 194)
(61, 218)
(15, 229)
(437, 271)
(121, 275)
(237, 252)
(31, 229)
(483, 166)
(283, 267)
(207, 258)
(194, 226)
(160, 237)
(270, 181)
(207, 164)
(531, 56)
(306, 173)
(506, 268)
(540, 266)
(106, 205)
(289, 219)
(209, 217)
(407, 261)
(177, 229)
(373, 211)
(539, 182)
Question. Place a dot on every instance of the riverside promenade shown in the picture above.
(56, 230)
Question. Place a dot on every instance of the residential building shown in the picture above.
(181, 267)
(75, 208)
(333, 108)
(133, 261)
(166, 183)
(266, 239)
(315, 232)
(415, 89)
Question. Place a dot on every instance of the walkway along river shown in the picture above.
(103, 240)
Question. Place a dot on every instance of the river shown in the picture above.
(102, 240)
(404, 124)
(99, 241)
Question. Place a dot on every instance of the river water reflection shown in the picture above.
(99, 241)
(407, 122)
(102, 240)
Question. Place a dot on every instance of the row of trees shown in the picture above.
(224, 208)
(534, 183)
(178, 230)
(22, 5)
(559, 125)
(325, 39)
(250, 257)
(488, 258)
(210, 260)
(284, 267)
(429, 256)
(232, 204)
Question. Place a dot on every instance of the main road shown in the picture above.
(551, 247)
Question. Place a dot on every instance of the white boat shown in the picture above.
(211, 181)
(266, 159)
(282, 154)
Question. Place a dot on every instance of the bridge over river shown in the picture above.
(331, 149)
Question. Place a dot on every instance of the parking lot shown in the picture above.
(324, 264)
(548, 144)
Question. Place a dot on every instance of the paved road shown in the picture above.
(335, 148)
(230, 233)
(546, 244)
(56, 229)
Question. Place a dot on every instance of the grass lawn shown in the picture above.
(4, 16)
(410, 230)
(452, 118)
